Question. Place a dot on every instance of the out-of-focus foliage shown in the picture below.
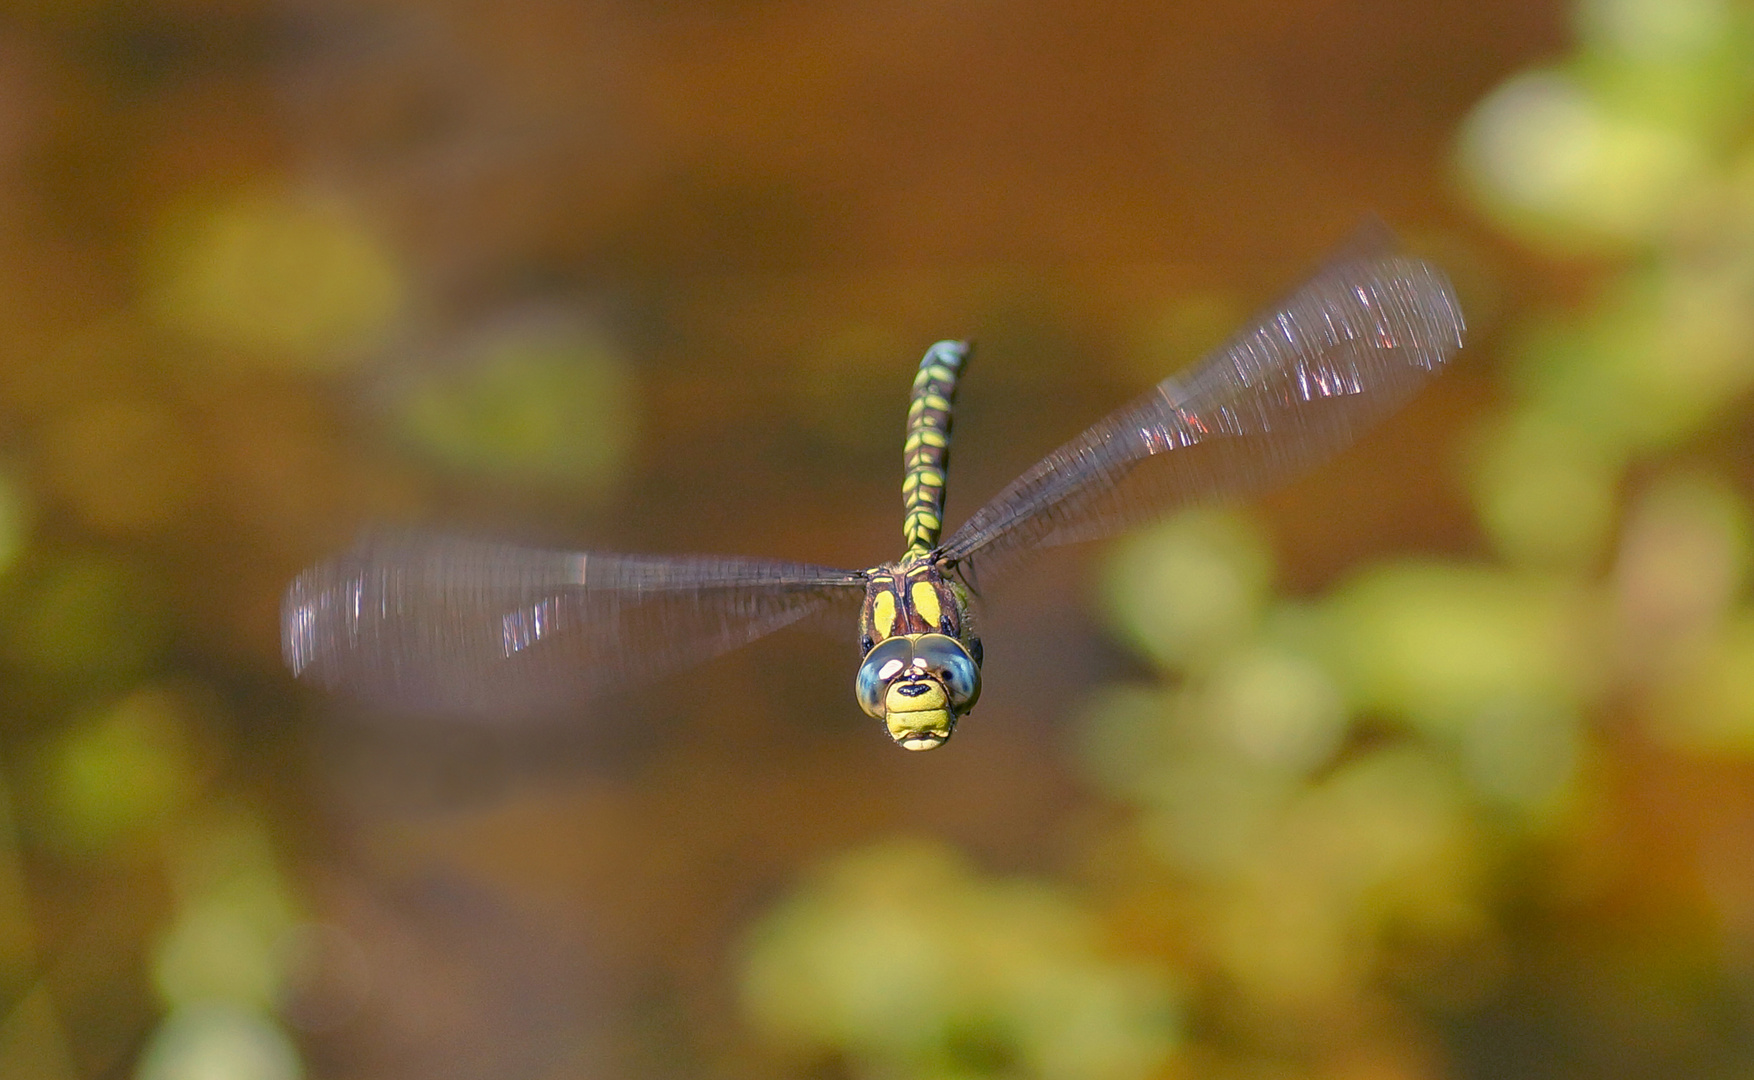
(271, 279)
(126, 770)
(221, 1042)
(81, 617)
(1218, 571)
(539, 404)
(904, 961)
(1621, 142)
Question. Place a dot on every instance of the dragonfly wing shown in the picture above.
(1348, 347)
(441, 624)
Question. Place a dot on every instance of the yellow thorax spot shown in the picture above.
(883, 615)
(926, 603)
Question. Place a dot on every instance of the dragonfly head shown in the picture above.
(919, 685)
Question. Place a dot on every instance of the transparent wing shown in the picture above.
(1345, 349)
(427, 623)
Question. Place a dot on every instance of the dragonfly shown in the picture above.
(432, 623)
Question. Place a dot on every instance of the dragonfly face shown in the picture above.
(919, 685)
(921, 671)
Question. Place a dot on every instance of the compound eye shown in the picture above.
(950, 662)
(889, 659)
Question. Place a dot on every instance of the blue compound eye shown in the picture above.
(885, 662)
(950, 662)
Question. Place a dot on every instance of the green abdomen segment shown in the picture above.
(928, 444)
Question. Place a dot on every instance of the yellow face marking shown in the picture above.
(925, 599)
(883, 615)
(919, 723)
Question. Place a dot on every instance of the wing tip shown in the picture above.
(1419, 289)
(300, 611)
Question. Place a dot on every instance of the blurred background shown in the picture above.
(1438, 763)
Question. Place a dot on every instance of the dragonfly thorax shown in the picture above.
(921, 667)
(911, 597)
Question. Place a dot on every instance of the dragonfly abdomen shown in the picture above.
(928, 444)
